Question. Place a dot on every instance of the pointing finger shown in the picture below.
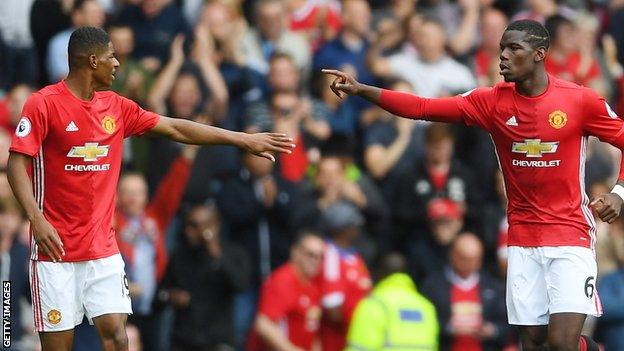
(334, 72)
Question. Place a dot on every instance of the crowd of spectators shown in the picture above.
(227, 251)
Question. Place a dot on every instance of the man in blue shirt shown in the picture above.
(155, 23)
(351, 45)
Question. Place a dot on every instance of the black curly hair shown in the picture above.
(537, 35)
(85, 41)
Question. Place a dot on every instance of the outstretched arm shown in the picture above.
(399, 103)
(189, 132)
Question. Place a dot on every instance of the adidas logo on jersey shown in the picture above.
(512, 121)
(71, 127)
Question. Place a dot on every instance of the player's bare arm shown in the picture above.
(45, 235)
(189, 132)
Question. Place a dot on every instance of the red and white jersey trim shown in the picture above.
(39, 192)
(584, 198)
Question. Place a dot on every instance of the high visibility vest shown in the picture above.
(394, 317)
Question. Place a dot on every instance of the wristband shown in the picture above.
(618, 190)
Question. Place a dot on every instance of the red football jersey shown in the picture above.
(541, 146)
(308, 19)
(76, 147)
(345, 280)
(291, 303)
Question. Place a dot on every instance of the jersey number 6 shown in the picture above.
(589, 287)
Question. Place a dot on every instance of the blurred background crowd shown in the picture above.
(226, 251)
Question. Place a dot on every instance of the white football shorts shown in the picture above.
(546, 280)
(64, 292)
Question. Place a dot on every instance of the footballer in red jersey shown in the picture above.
(539, 125)
(289, 311)
(70, 141)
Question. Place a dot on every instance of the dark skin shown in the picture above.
(95, 71)
(523, 64)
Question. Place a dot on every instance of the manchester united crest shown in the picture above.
(108, 123)
(558, 119)
(54, 316)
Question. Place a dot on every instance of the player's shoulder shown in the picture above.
(489, 90)
(283, 273)
(39, 99)
(49, 91)
(282, 277)
(111, 98)
(567, 85)
(109, 94)
(504, 86)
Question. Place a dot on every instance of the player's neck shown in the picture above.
(534, 85)
(81, 86)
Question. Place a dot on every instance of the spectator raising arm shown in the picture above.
(157, 97)
(464, 39)
(376, 62)
(204, 56)
(380, 159)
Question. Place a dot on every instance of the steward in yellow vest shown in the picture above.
(395, 316)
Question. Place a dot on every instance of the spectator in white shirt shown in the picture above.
(432, 73)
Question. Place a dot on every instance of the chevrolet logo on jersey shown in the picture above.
(534, 147)
(89, 152)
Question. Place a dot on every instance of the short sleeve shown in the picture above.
(600, 120)
(32, 128)
(274, 301)
(137, 121)
(477, 105)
